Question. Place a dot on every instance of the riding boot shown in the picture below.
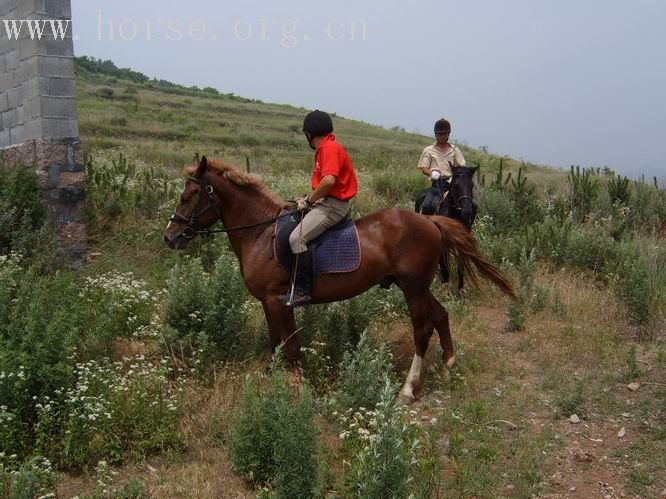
(302, 282)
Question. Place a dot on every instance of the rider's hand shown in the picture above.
(303, 204)
(435, 174)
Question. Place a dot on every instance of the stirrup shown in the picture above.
(295, 298)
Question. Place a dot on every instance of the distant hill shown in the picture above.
(166, 123)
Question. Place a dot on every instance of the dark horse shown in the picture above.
(455, 201)
(397, 246)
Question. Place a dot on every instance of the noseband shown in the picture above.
(192, 228)
(456, 204)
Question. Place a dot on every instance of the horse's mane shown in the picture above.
(230, 173)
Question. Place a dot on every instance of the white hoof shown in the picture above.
(406, 398)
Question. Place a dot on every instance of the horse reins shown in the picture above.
(191, 230)
(457, 205)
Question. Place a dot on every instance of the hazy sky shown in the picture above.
(553, 82)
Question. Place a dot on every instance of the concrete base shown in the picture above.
(61, 175)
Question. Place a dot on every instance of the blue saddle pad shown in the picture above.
(336, 251)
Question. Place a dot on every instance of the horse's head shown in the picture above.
(461, 194)
(196, 210)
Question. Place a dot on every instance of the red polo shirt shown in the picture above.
(332, 159)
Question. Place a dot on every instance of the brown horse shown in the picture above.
(397, 246)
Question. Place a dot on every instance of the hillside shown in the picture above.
(166, 124)
(146, 373)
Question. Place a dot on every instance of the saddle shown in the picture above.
(336, 251)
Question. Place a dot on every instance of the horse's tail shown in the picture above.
(457, 239)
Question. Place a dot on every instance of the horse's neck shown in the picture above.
(245, 206)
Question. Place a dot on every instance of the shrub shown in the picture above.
(32, 478)
(385, 466)
(398, 188)
(132, 107)
(22, 210)
(338, 325)
(526, 209)
(121, 304)
(120, 122)
(118, 189)
(583, 191)
(636, 288)
(362, 375)
(252, 433)
(524, 270)
(113, 411)
(516, 317)
(36, 345)
(618, 190)
(105, 93)
(296, 452)
(45, 323)
(274, 441)
(498, 208)
(166, 116)
(249, 139)
(633, 371)
(10, 277)
(647, 207)
(203, 309)
(570, 401)
(501, 182)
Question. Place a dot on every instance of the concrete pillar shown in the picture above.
(38, 117)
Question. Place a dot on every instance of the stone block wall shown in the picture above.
(38, 116)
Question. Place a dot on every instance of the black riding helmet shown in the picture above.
(317, 124)
(442, 125)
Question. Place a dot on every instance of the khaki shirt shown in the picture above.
(434, 158)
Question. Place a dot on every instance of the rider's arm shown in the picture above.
(330, 161)
(323, 188)
(424, 163)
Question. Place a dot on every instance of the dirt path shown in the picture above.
(597, 456)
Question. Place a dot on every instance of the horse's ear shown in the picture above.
(452, 166)
(203, 167)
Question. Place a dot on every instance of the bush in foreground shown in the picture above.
(273, 441)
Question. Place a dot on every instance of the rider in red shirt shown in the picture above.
(333, 184)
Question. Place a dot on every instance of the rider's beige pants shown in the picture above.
(325, 214)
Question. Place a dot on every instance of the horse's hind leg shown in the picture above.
(419, 311)
(440, 317)
(461, 282)
(444, 267)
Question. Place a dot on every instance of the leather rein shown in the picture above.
(192, 228)
(445, 199)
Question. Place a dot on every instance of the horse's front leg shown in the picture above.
(282, 329)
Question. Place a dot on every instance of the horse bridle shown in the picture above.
(457, 203)
(192, 230)
(455, 206)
